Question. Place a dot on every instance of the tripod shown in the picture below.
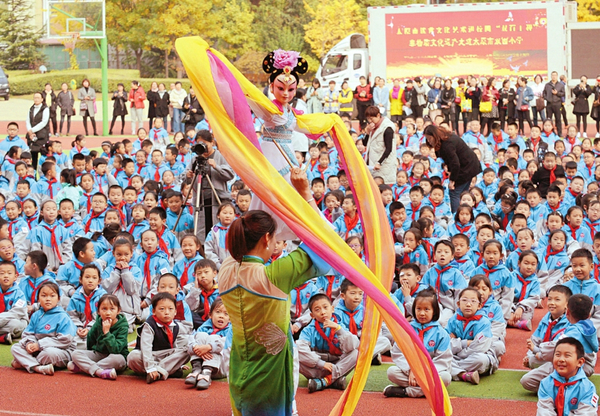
(200, 168)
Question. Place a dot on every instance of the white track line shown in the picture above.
(12, 412)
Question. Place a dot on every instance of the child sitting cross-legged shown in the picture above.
(527, 292)
(491, 308)
(169, 283)
(106, 351)
(567, 390)
(471, 339)
(13, 304)
(203, 291)
(426, 311)
(161, 347)
(327, 351)
(410, 278)
(206, 348)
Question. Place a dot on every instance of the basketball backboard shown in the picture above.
(66, 18)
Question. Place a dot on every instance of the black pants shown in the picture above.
(474, 114)
(563, 111)
(362, 107)
(487, 121)
(464, 116)
(208, 219)
(580, 118)
(554, 110)
(85, 117)
(53, 122)
(503, 112)
(112, 123)
(62, 120)
(34, 159)
(523, 116)
(417, 110)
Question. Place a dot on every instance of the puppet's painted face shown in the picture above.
(283, 92)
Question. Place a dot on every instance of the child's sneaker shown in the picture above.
(340, 384)
(204, 381)
(71, 366)
(471, 377)
(394, 391)
(376, 360)
(47, 370)
(191, 379)
(316, 384)
(524, 324)
(6, 339)
(109, 374)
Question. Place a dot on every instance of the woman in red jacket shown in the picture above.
(364, 98)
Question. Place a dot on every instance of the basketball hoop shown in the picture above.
(71, 40)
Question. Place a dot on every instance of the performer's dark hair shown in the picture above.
(245, 232)
(269, 67)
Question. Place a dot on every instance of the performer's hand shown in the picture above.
(300, 182)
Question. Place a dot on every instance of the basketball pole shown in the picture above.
(104, 56)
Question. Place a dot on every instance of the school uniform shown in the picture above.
(502, 285)
(591, 227)
(447, 282)
(561, 208)
(299, 296)
(103, 182)
(45, 189)
(589, 287)
(104, 351)
(177, 169)
(547, 331)
(152, 266)
(570, 197)
(55, 334)
(552, 267)
(160, 347)
(318, 345)
(559, 396)
(401, 193)
(214, 244)
(437, 343)
(84, 151)
(125, 284)
(587, 172)
(464, 265)
(13, 312)
(207, 334)
(73, 228)
(183, 313)
(468, 229)
(15, 180)
(412, 213)
(346, 227)
(492, 309)
(441, 210)
(168, 243)
(200, 300)
(184, 269)
(93, 221)
(580, 234)
(418, 256)
(53, 240)
(83, 310)
(68, 276)
(479, 355)
(527, 294)
(155, 173)
(330, 284)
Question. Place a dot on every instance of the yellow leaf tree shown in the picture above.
(588, 10)
(331, 22)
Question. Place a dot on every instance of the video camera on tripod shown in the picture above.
(200, 166)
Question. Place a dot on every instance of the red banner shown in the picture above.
(455, 44)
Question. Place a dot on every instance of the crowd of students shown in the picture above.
(89, 255)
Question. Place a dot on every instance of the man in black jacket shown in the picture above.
(553, 93)
(37, 127)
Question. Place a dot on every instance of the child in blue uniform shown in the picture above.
(348, 224)
(186, 221)
(202, 291)
(167, 241)
(17, 226)
(552, 325)
(462, 260)
(446, 280)
(153, 263)
(206, 348)
(491, 308)
(327, 351)
(553, 260)
(35, 276)
(51, 237)
(410, 278)
(13, 304)
(214, 245)
(527, 292)
(69, 274)
(47, 187)
(49, 339)
(584, 283)
(184, 268)
(94, 221)
(567, 390)
(436, 340)
(138, 224)
(412, 250)
(500, 277)
(463, 222)
(83, 306)
(474, 358)
(525, 242)
(169, 283)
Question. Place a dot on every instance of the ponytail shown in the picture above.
(245, 232)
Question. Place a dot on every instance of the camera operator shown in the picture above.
(219, 172)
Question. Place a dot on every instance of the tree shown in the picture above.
(280, 24)
(19, 48)
(331, 22)
(588, 11)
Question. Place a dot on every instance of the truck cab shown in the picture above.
(349, 59)
(4, 89)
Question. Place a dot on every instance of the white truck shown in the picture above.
(501, 39)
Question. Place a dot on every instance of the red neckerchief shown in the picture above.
(549, 253)
(155, 135)
(399, 191)
(352, 325)
(147, 274)
(524, 287)
(50, 183)
(157, 174)
(350, 223)
(466, 321)
(479, 141)
(554, 209)
(422, 332)
(406, 167)
(92, 217)
(99, 182)
(413, 181)
(559, 402)
(488, 271)
(407, 145)
(571, 140)
(312, 163)
(320, 200)
(140, 167)
(78, 149)
(299, 299)
(2, 301)
(548, 335)
(184, 276)
(435, 206)
(180, 315)
(35, 289)
(597, 272)
(330, 280)
(589, 168)
(89, 202)
(207, 296)
(575, 194)
(504, 221)
(134, 225)
(275, 256)
(328, 339)
(438, 281)
(167, 329)
(31, 219)
(161, 242)
(88, 308)
(321, 171)
(497, 140)
(53, 241)
(512, 240)
(414, 210)
(535, 143)
(11, 224)
(182, 157)
(547, 134)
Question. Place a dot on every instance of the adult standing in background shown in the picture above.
(176, 98)
(461, 161)
(473, 93)
(152, 97)
(553, 93)
(37, 127)
(49, 98)
(396, 103)
(161, 104)
(119, 107)
(137, 95)
(447, 102)
(418, 99)
(524, 98)
(66, 102)
(581, 106)
(381, 96)
(506, 105)
(364, 98)
(193, 109)
(315, 97)
(538, 106)
(379, 140)
(87, 98)
(489, 95)
(596, 106)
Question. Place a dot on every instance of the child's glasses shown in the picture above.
(469, 301)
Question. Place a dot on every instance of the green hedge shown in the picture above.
(28, 84)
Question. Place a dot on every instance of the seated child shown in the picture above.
(206, 347)
(463, 222)
(49, 339)
(35, 275)
(491, 308)
(350, 312)
(190, 247)
(167, 241)
(412, 251)
(13, 304)
(552, 325)
(186, 221)
(299, 306)
(583, 282)
(436, 340)
(327, 351)
(527, 292)
(202, 292)
(214, 245)
(107, 350)
(554, 260)
(83, 306)
(153, 263)
(446, 280)
(567, 389)
(410, 286)
(168, 283)
(51, 237)
(580, 328)
(242, 201)
(524, 238)
(69, 274)
(471, 339)
(161, 347)
(462, 261)
(349, 223)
